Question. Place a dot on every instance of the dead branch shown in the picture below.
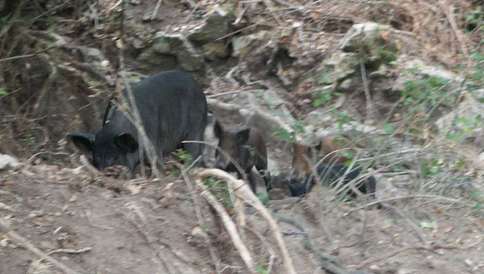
(238, 204)
(370, 109)
(131, 109)
(232, 92)
(242, 189)
(457, 32)
(71, 251)
(239, 210)
(155, 11)
(227, 221)
(47, 84)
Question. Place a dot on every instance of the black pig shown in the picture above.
(172, 108)
(330, 174)
(246, 147)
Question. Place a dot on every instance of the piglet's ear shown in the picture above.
(83, 141)
(243, 136)
(126, 142)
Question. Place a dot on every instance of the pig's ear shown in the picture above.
(126, 142)
(243, 136)
(218, 129)
(83, 141)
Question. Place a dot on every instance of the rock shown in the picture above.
(478, 94)
(346, 85)
(460, 123)
(98, 63)
(269, 104)
(260, 53)
(372, 42)
(167, 52)
(264, 52)
(338, 67)
(321, 123)
(41, 267)
(190, 62)
(91, 54)
(464, 122)
(215, 50)
(217, 25)
(198, 233)
(247, 44)
(8, 162)
(319, 117)
(420, 68)
(167, 43)
(415, 69)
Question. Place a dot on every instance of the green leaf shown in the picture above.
(3, 92)
(263, 197)
(284, 135)
(261, 270)
(428, 224)
(388, 128)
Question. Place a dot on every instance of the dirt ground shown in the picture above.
(105, 225)
(63, 218)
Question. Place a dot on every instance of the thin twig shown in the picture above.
(155, 11)
(231, 93)
(129, 103)
(70, 251)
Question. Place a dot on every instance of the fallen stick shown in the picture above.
(228, 223)
(245, 193)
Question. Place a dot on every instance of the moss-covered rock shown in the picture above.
(168, 51)
(217, 25)
(372, 42)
